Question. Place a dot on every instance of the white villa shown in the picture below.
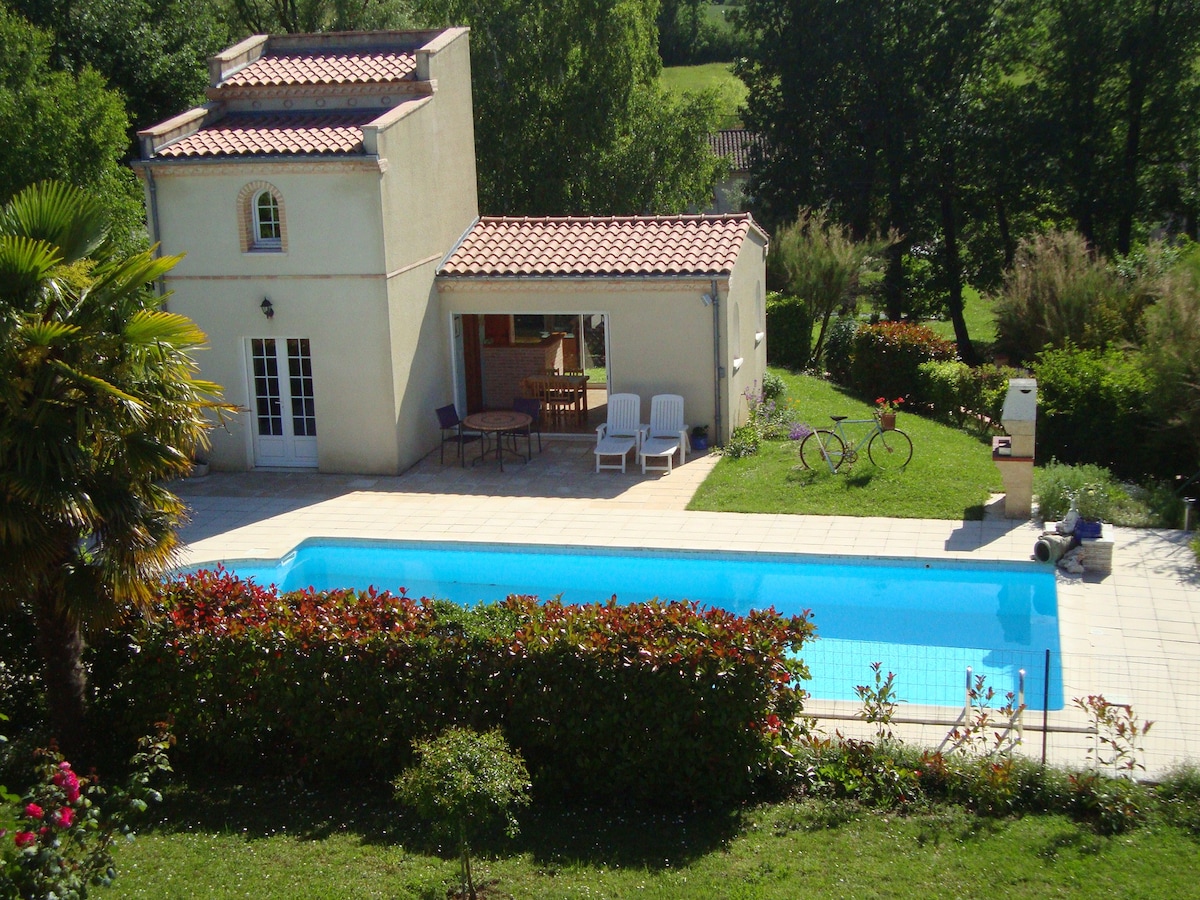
(325, 198)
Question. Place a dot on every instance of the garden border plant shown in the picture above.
(662, 703)
(983, 769)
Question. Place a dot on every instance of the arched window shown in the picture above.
(268, 226)
(262, 218)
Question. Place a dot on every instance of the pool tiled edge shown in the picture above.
(1132, 636)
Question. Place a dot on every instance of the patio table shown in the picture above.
(497, 422)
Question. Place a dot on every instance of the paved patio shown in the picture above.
(1133, 636)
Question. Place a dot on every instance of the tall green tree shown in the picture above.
(54, 124)
(567, 106)
(155, 52)
(307, 16)
(870, 107)
(1117, 83)
(99, 404)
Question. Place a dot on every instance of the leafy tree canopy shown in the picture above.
(307, 16)
(568, 115)
(154, 52)
(63, 125)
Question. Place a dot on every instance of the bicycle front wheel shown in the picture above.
(822, 450)
(890, 449)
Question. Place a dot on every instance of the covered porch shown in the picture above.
(559, 359)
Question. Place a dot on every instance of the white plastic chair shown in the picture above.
(666, 432)
(621, 433)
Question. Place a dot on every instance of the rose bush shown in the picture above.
(58, 842)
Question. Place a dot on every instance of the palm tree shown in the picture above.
(99, 404)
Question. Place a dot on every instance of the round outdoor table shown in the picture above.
(497, 422)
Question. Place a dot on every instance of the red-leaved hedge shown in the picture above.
(887, 359)
(666, 703)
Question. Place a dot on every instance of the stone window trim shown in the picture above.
(247, 210)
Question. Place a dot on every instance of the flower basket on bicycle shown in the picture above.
(885, 412)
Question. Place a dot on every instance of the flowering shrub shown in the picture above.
(59, 842)
(664, 702)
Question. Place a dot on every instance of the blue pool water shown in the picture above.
(925, 620)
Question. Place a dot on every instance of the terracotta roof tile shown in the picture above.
(737, 144)
(350, 67)
(646, 245)
(275, 134)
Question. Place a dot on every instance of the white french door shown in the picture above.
(285, 416)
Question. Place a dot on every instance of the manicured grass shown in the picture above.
(298, 846)
(717, 14)
(710, 75)
(950, 476)
(981, 321)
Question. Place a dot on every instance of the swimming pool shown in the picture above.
(926, 620)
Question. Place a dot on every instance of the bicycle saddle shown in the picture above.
(839, 418)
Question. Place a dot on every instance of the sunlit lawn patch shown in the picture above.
(950, 476)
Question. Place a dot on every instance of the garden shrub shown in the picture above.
(878, 774)
(1172, 348)
(1110, 805)
(964, 395)
(1092, 486)
(790, 325)
(663, 703)
(773, 387)
(1094, 407)
(1101, 497)
(1178, 797)
(839, 348)
(887, 357)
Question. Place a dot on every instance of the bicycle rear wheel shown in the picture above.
(811, 451)
(890, 449)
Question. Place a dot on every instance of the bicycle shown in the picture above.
(888, 448)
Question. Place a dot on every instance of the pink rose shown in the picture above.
(33, 811)
(25, 838)
(64, 817)
(68, 781)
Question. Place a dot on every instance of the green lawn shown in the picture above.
(717, 14)
(981, 322)
(718, 76)
(950, 476)
(298, 846)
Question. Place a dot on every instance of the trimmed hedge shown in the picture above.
(960, 394)
(790, 325)
(661, 703)
(887, 357)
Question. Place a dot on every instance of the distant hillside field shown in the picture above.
(709, 75)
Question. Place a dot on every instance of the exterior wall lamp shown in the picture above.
(266, 307)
